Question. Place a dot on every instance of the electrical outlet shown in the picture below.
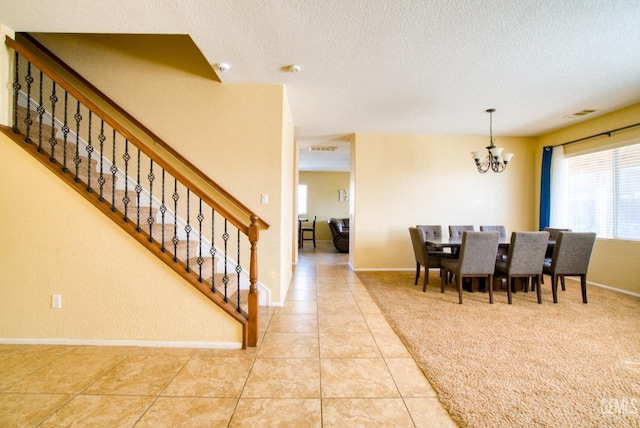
(56, 301)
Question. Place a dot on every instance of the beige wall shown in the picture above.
(322, 189)
(404, 180)
(239, 135)
(113, 289)
(614, 262)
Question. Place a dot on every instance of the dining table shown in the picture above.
(453, 243)
(445, 242)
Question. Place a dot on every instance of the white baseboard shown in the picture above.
(630, 293)
(123, 343)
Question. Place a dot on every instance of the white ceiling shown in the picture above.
(393, 66)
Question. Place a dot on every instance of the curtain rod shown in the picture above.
(607, 133)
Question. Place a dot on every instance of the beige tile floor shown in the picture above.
(326, 358)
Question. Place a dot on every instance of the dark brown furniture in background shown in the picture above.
(339, 228)
(306, 230)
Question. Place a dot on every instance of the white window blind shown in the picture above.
(604, 192)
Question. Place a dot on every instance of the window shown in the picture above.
(302, 198)
(604, 192)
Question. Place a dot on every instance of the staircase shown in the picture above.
(147, 188)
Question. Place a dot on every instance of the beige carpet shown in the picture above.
(520, 365)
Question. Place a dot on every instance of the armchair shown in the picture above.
(340, 232)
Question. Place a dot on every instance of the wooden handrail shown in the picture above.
(236, 212)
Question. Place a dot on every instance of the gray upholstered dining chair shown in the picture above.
(571, 255)
(477, 260)
(502, 251)
(501, 229)
(423, 257)
(431, 231)
(553, 235)
(524, 260)
(455, 232)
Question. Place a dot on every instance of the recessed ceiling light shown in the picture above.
(293, 68)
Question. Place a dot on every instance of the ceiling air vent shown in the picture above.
(322, 148)
(579, 114)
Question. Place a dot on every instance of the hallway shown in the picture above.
(326, 358)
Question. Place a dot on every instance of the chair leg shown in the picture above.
(426, 279)
(490, 280)
(314, 238)
(459, 285)
(443, 276)
(509, 297)
(417, 274)
(583, 285)
(562, 282)
(554, 287)
(536, 280)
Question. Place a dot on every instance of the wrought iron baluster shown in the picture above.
(138, 191)
(101, 179)
(238, 271)
(225, 277)
(163, 210)
(89, 150)
(175, 239)
(76, 158)
(187, 228)
(150, 219)
(125, 199)
(40, 110)
(200, 258)
(65, 132)
(28, 78)
(53, 140)
(16, 90)
(212, 250)
(114, 170)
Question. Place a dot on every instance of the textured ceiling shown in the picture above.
(394, 66)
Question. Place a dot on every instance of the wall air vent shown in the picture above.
(322, 148)
(579, 114)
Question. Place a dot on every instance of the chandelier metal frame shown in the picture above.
(494, 160)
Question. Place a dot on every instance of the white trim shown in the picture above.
(619, 290)
(107, 342)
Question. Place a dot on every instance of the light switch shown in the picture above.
(265, 198)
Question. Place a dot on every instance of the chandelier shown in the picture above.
(495, 160)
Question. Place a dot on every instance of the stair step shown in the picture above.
(181, 251)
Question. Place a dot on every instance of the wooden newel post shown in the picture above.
(252, 339)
